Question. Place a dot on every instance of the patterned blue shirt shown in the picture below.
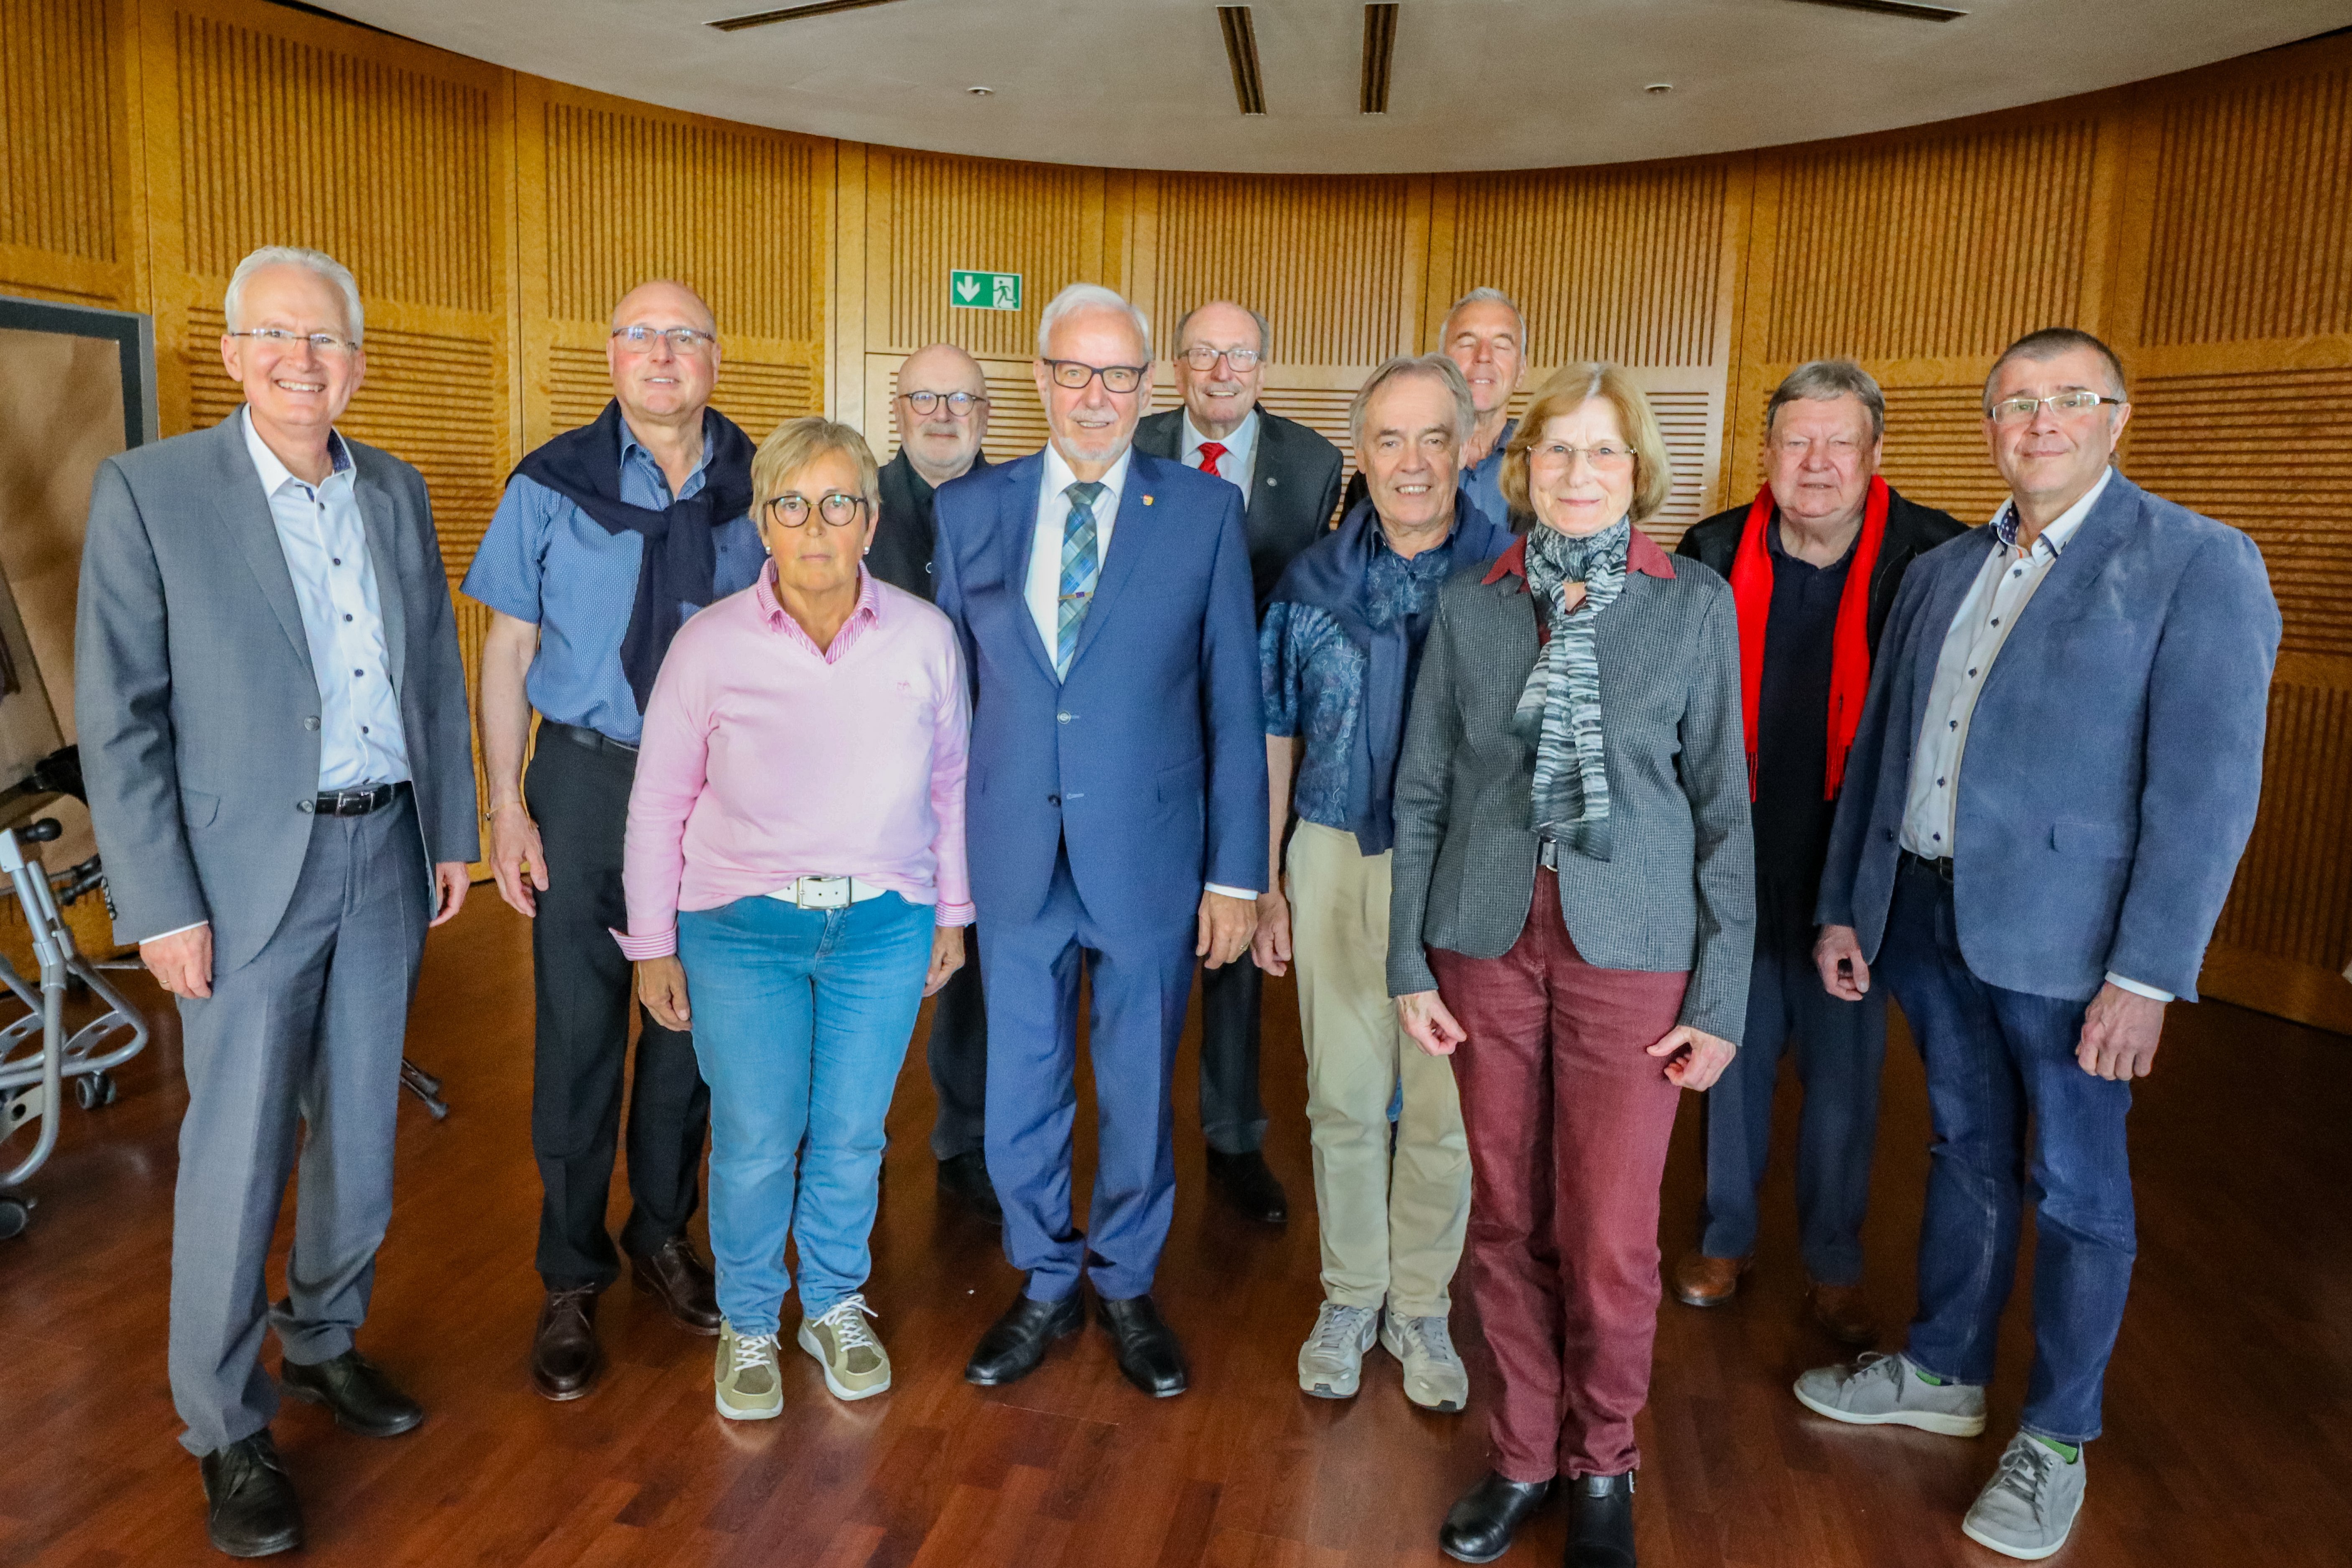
(547, 562)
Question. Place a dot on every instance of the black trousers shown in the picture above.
(1232, 1117)
(585, 992)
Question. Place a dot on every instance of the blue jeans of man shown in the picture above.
(801, 1021)
(2013, 1113)
(1840, 1048)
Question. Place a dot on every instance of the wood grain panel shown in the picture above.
(60, 120)
(1931, 246)
(2253, 231)
(1611, 264)
(2293, 898)
(1936, 451)
(933, 212)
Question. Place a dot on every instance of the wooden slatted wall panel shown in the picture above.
(1935, 450)
(68, 228)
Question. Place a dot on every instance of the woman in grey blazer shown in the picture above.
(1571, 920)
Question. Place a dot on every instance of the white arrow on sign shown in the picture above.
(968, 287)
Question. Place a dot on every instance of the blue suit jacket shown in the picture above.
(1149, 758)
(2113, 765)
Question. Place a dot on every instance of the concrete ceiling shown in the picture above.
(1478, 84)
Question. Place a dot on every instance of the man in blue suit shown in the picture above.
(1117, 814)
(2057, 770)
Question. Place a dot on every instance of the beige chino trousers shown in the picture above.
(1391, 1228)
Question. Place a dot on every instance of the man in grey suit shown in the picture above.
(275, 738)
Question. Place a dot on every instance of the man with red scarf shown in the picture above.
(1813, 564)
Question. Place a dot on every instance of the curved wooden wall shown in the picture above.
(2203, 223)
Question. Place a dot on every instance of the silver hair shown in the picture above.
(1481, 297)
(315, 262)
(1439, 368)
(1264, 327)
(2048, 344)
(1090, 297)
(1822, 380)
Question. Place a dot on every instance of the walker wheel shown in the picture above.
(16, 1214)
(94, 1089)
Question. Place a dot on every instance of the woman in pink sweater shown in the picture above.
(796, 887)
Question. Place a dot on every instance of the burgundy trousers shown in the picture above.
(1568, 1117)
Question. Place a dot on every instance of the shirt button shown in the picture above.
(1061, 718)
(359, 672)
(347, 617)
(338, 560)
(1939, 784)
(1053, 800)
(1956, 723)
(1938, 837)
(364, 729)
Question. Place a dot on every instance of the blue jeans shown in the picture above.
(801, 1021)
(1994, 1059)
(1840, 1048)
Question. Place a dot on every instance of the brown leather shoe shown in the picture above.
(1844, 1311)
(564, 1355)
(1704, 1282)
(680, 1281)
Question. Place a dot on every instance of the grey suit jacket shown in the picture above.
(192, 688)
(1294, 486)
(1679, 891)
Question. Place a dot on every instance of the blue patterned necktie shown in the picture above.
(1081, 565)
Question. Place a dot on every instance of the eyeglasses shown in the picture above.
(1116, 378)
(2071, 405)
(326, 345)
(959, 405)
(838, 507)
(1604, 458)
(1201, 357)
(682, 340)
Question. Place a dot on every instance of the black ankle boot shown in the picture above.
(1600, 1521)
(1479, 1526)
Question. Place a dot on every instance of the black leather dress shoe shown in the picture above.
(1479, 1526)
(363, 1400)
(1600, 1521)
(564, 1355)
(672, 1275)
(1146, 1346)
(964, 1178)
(250, 1508)
(1247, 1184)
(1018, 1341)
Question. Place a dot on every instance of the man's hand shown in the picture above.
(450, 881)
(1226, 924)
(1424, 1016)
(1695, 1058)
(661, 986)
(181, 962)
(1270, 948)
(1837, 953)
(947, 957)
(517, 861)
(2120, 1034)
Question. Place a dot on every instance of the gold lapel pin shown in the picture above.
(1147, 501)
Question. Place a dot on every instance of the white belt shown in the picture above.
(826, 892)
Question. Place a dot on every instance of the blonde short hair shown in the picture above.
(1567, 390)
(792, 446)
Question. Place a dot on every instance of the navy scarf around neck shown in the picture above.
(1333, 581)
(680, 565)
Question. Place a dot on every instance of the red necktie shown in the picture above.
(1212, 454)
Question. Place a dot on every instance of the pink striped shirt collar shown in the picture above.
(868, 613)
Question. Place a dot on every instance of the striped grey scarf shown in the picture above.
(1560, 709)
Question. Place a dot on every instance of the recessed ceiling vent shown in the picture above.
(1380, 51)
(791, 14)
(1910, 8)
(1241, 53)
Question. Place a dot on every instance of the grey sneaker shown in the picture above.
(1887, 1390)
(2029, 1507)
(749, 1387)
(856, 1365)
(1332, 1362)
(1435, 1377)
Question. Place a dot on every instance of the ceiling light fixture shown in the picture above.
(791, 14)
(1379, 55)
(980, 92)
(1659, 88)
(1910, 8)
(1241, 53)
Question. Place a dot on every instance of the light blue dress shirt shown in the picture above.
(547, 562)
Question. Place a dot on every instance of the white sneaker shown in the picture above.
(751, 1387)
(856, 1365)
(1435, 1377)
(1887, 1391)
(1332, 1362)
(2028, 1509)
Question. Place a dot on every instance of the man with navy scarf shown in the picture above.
(1117, 815)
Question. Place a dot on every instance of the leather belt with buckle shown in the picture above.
(1942, 867)
(1548, 853)
(593, 739)
(353, 802)
(826, 892)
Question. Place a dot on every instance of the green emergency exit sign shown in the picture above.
(984, 290)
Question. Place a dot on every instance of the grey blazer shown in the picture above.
(1679, 892)
(193, 691)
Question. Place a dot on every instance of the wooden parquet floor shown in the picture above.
(2229, 1412)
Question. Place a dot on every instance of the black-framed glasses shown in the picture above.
(959, 405)
(682, 340)
(326, 345)
(1073, 375)
(1201, 357)
(838, 507)
(2072, 404)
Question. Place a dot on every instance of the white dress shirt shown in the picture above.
(1044, 588)
(1237, 466)
(1979, 631)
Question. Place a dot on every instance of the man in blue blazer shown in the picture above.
(1117, 814)
(2057, 770)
